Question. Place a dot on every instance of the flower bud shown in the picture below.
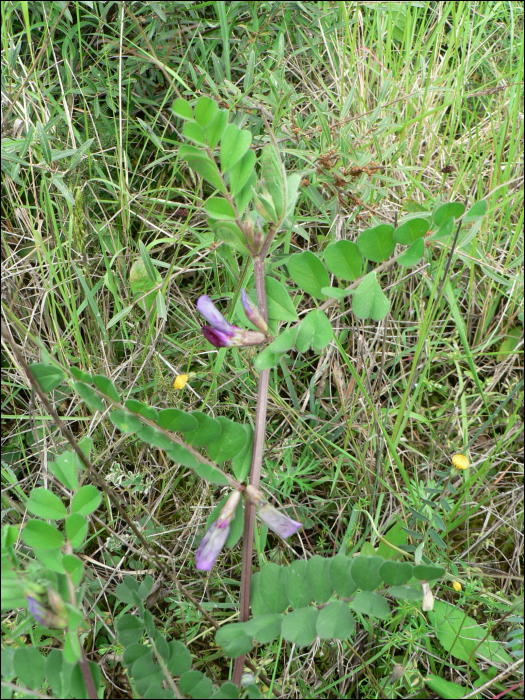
(45, 616)
(265, 206)
(252, 313)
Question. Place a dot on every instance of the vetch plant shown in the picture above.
(251, 210)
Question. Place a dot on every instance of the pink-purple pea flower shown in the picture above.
(44, 616)
(276, 520)
(216, 535)
(252, 313)
(222, 334)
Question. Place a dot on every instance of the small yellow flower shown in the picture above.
(180, 381)
(456, 586)
(460, 461)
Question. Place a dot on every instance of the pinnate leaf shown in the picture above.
(48, 376)
(299, 626)
(45, 504)
(234, 144)
(335, 621)
(411, 231)
(309, 273)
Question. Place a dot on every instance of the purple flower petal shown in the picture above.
(206, 308)
(211, 545)
(278, 521)
(217, 338)
(37, 610)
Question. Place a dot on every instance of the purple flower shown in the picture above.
(221, 333)
(37, 610)
(46, 617)
(216, 535)
(276, 520)
(252, 313)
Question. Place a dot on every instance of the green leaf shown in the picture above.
(142, 409)
(29, 666)
(373, 604)
(234, 144)
(309, 273)
(41, 535)
(89, 396)
(229, 443)
(195, 684)
(344, 260)
(216, 129)
(413, 254)
(141, 283)
(211, 474)
(48, 376)
(395, 573)
(336, 292)
(125, 421)
(45, 504)
(86, 500)
(51, 559)
(44, 143)
(205, 111)
(341, 577)
(81, 375)
(318, 575)
(445, 211)
(445, 689)
(182, 109)
(444, 231)
(377, 243)
(106, 386)
(207, 169)
(264, 628)
(315, 331)
(154, 437)
(74, 566)
(396, 536)
(299, 626)
(219, 208)
(267, 359)
(180, 658)
(369, 301)
(241, 172)
(437, 539)
(231, 234)
(191, 130)
(293, 182)
(427, 572)
(245, 196)
(58, 673)
(129, 629)
(365, 572)
(280, 306)
(274, 179)
(233, 639)
(335, 621)
(65, 468)
(177, 421)
(180, 455)
(227, 691)
(76, 529)
(297, 585)
(284, 341)
(460, 635)
(406, 592)
(209, 430)
(272, 588)
(241, 463)
(410, 231)
(476, 211)
(510, 343)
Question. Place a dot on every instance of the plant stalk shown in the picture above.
(255, 472)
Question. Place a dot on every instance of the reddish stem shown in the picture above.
(255, 472)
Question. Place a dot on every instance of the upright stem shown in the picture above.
(255, 472)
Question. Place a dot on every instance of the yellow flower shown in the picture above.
(180, 381)
(460, 461)
(456, 586)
